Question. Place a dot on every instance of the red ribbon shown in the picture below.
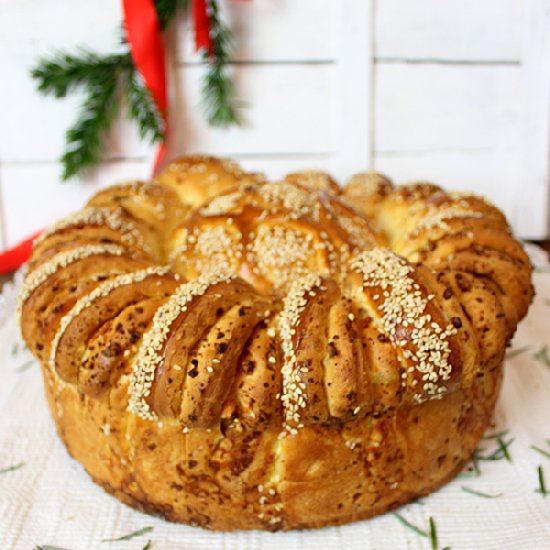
(202, 26)
(13, 257)
(147, 50)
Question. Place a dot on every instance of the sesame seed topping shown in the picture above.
(438, 216)
(294, 304)
(296, 200)
(61, 260)
(427, 346)
(148, 357)
(100, 291)
(281, 254)
(113, 218)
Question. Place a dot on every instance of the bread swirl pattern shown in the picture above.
(236, 353)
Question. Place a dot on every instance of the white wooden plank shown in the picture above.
(271, 30)
(38, 28)
(467, 30)
(531, 200)
(442, 108)
(34, 197)
(353, 100)
(496, 175)
(286, 108)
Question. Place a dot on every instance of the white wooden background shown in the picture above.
(453, 92)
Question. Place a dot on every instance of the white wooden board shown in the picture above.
(440, 108)
(474, 30)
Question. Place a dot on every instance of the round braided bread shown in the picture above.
(239, 354)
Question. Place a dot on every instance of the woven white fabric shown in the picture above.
(48, 499)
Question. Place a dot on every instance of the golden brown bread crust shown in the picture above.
(238, 354)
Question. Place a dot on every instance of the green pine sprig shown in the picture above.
(142, 109)
(84, 140)
(105, 79)
(218, 92)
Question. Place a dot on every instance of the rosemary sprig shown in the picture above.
(503, 447)
(25, 365)
(542, 483)
(502, 433)
(431, 533)
(15, 348)
(480, 493)
(541, 451)
(410, 525)
(148, 545)
(542, 356)
(498, 454)
(518, 351)
(217, 88)
(48, 547)
(132, 535)
(12, 468)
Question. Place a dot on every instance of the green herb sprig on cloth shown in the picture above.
(132, 535)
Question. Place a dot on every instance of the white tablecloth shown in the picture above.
(48, 499)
